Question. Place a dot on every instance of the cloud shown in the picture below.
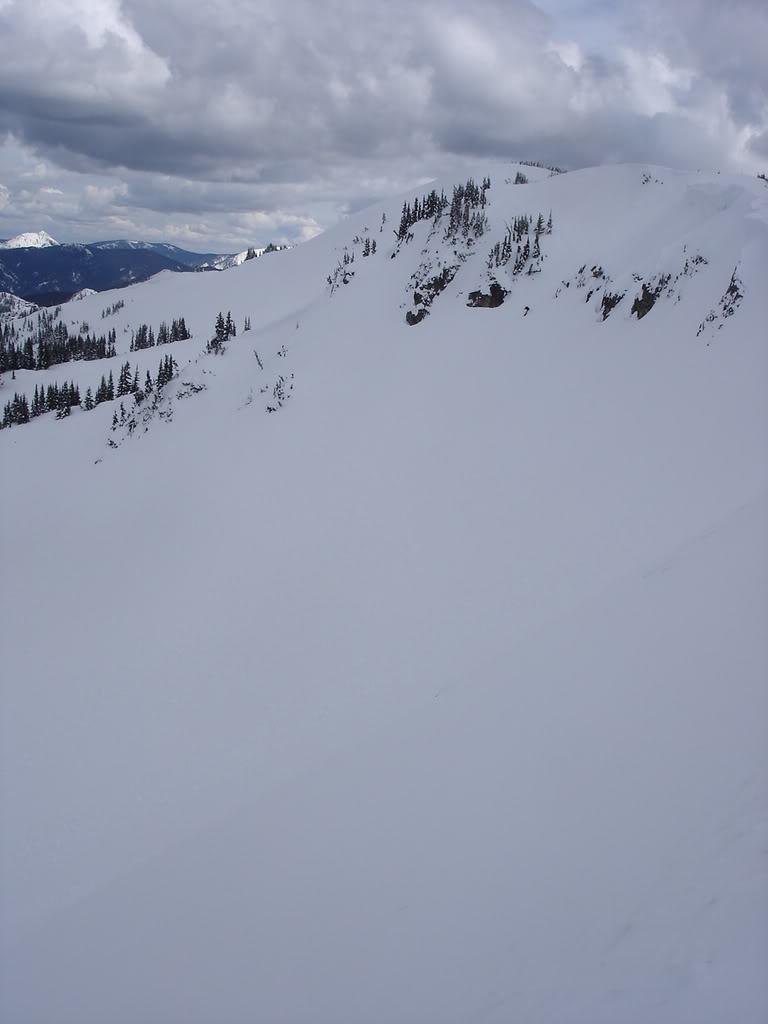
(146, 110)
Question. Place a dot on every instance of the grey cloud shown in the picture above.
(759, 144)
(724, 43)
(191, 115)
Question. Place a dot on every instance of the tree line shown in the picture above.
(520, 229)
(63, 398)
(144, 337)
(51, 345)
(466, 210)
(223, 331)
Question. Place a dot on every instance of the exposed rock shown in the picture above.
(645, 302)
(412, 318)
(609, 302)
(490, 301)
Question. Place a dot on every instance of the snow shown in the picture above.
(225, 262)
(29, 240)
(12, 307)
(437, 694)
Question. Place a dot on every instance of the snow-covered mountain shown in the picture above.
(184, 256)
(403, 657)
(29, 240)
(237, 260)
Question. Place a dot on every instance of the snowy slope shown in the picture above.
(12, 307)
(437, 693)
(29, 240)
(236, 260)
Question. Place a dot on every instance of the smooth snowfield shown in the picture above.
(437, 695)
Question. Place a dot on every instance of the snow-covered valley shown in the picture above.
(403, 673)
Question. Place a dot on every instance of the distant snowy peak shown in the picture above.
(29, 240)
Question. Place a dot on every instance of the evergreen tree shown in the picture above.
(124, 380)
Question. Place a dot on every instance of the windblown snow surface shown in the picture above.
(438, 694)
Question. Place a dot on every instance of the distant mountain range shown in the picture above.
(171, 252)
(35, 267)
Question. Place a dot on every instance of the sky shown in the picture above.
(237, 122)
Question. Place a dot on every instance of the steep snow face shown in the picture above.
(29, 240)
(393, 672)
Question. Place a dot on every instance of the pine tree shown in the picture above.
(216, 344)
(124, 380)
